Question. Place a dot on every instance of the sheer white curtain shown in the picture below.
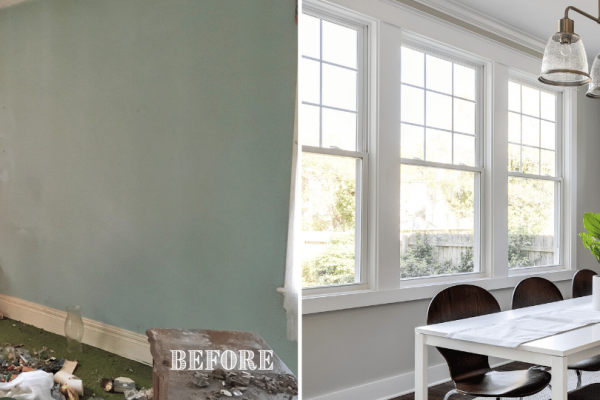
(293, 262)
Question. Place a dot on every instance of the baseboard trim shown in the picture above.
(122, 342)
(392, 387)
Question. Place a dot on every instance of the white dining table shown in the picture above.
(556, 351)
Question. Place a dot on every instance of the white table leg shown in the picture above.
(559, 378)
(421, 367)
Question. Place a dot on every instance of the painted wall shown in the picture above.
(588, 168)
(350, 348)
(145, 157)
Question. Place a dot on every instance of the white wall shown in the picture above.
(588, 169)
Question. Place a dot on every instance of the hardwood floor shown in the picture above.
(438, 392)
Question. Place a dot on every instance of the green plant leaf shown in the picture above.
(591, 222)
(591, 243)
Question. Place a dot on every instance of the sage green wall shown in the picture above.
(145, 157)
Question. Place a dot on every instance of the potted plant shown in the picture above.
(591, 238)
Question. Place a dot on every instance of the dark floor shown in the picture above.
(438, 392)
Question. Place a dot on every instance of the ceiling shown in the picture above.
(539, 17)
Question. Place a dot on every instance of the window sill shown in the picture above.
(318, 303)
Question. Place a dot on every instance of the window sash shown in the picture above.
(427, 48)
(559, 213)
(362, 145)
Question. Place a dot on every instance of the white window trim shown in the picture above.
(531, 81)
(430, 47)
(366, 120)
(503, 61)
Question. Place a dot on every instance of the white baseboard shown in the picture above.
(122, 342)
(391, 387)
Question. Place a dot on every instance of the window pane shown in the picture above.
(530, 222)
(311, 81)
(339, 129)
(412, 141)
(548, 162)
(514, 157)
(530, 160)
(438, 146)
(439, 111)
(548, 135)
(339, 87)
(328, 219)
(514, 97)
(308, 125)
(412, 105)
(311, 31)
(537, 133)
(439, 74)
(531, 101)
(464, 116)
(340, 44)
(436, 221)
(464, 149)
(412, 66)
(531, 131)
(548, 106)
(464, 82)
(514, 127)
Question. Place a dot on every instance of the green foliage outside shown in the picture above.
(334, 266)
(591, 238)
(328, 192)
(421, 259)
(328, 197)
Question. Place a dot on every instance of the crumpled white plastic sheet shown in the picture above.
(34, 385)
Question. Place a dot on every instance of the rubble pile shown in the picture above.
(234, 384)
(14, 360)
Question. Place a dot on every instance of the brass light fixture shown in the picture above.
(565, 61)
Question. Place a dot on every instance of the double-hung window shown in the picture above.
(430, 156)
(440, 165)
(535, 170)
(334, 157)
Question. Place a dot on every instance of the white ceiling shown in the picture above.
(539, 17)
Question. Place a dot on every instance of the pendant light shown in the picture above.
(565, 61)
(594, 89)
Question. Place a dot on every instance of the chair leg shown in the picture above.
(450, 393)
(578, 372)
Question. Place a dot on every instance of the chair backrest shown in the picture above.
(582, 283)
(459, 302)
(534, 291)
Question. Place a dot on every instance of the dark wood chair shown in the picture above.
(535, 291)
(582, 283)
(471, 373)
(588, 392)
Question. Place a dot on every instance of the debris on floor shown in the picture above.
(122, 384)
(236, 381)
(35, 375)
(69, 392)
(139, 395)
(107, 384)
(29, 386)
(65, 377)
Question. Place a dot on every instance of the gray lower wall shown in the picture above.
(349, 348)
(145, 160)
